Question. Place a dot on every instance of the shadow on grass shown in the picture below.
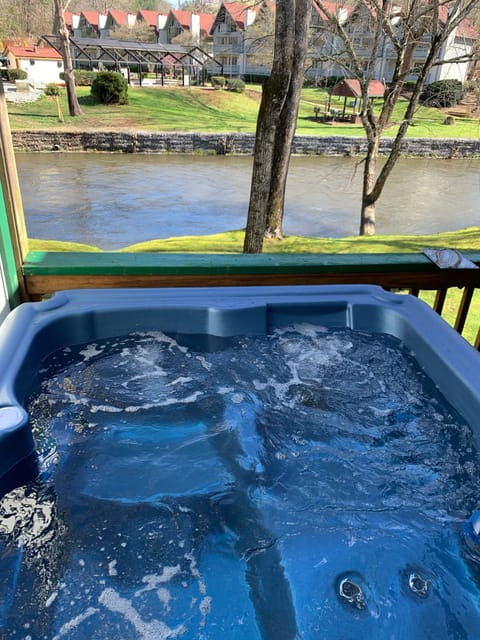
(87, 101)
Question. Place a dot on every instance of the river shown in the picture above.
(113, 200)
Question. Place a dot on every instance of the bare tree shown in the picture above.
(25, 18)
(64, 35)
(200, 6)
(277, 120)
(139, 32)
(259, 38)
(415, 34)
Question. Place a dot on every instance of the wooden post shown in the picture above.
(12, 195)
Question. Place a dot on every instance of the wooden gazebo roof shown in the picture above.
(350, 88)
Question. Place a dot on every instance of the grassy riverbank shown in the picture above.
(203, 109)
(232, 242)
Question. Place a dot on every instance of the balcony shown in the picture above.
(227, 48)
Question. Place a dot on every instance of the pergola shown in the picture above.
(350, 88)
(166, 59)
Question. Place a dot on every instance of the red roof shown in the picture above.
(466, 28)
(238, 11)
(183, 17)
(150, 17)
(350, 88)
(32, 51)
(332, 7)
(68, 18)
(120, 17)
(92, 18)
(206, 22)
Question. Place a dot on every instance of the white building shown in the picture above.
(359, 25)
(43, 65)
(229, 33)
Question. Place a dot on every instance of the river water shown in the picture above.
(113, 200)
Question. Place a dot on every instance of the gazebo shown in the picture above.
(350, 88)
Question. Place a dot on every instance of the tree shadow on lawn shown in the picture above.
(87, 101)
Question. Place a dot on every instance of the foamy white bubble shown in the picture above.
(181, 380)
(163, 339)
(105, 408)
(91, 351)
(152, 630)
(74, 623)
(222, 391)
(204, 362)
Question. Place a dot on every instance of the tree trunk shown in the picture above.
(273, 98)
(73, 104)
(372, 184)
(367, 214)
(288, 123)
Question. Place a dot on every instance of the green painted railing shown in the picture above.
(46, 272)
(7, 258)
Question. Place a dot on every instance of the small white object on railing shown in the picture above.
(449, 259)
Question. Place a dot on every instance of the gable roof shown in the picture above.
(71, 19)
(32, 52)
(92, 17)
(465, 28)
(119, 17)
(333, 8)
(150, 17)
(182, 17)
(206, 22)
(350, 88)
(238, 12)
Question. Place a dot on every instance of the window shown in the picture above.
(32, 62)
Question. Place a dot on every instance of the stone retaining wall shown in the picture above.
(229, 144)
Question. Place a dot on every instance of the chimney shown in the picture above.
(195, 26)
(250, 17)
(342, 14)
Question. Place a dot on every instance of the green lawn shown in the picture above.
(466, 240)
(208, 110)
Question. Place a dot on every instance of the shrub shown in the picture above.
(442, 93)
(52, 89)
(83, 78)
(309, 81)
(255, 78)
(16, 74)
(237, 85)
(217, 81)
(109, 87)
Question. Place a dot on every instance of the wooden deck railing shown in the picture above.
(46, 272)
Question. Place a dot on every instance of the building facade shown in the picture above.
(43, 65)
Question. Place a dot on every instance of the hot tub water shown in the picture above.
(307, 483)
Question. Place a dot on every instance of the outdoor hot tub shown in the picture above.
(241, 463)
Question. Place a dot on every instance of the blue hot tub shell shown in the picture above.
(34, 330)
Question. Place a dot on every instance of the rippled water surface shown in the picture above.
(308, 484)
(113, 200)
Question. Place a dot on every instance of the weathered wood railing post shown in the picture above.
(12, 198)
